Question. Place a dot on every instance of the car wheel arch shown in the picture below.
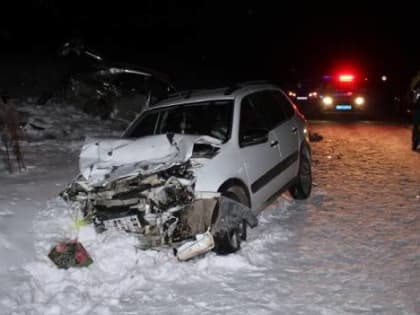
(236, 182)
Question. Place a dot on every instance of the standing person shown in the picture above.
(415, 90)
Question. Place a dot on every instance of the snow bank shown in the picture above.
(59, 120)
(52, 124)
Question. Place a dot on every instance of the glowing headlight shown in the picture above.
(327, 100)
(359, 100)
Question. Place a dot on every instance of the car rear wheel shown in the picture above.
(303, 186)
(230, 241)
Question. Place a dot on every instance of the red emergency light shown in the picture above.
(346, 78)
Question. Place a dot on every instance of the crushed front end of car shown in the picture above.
(146, 186)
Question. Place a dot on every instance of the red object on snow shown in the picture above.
(68, 254)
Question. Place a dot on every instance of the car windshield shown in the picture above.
(213, 118)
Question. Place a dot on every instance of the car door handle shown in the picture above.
(294, 129)
(274, 143)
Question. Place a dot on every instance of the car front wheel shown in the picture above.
(230, 241)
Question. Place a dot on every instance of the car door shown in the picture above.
(261, 155)
(287, 134)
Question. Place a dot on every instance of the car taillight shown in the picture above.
(299, 113)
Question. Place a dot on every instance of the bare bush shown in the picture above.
(11, 135)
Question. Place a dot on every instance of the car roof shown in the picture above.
(202, 95)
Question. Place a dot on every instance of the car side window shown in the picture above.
(269, 107)
(251, 119)
(284, 103)
(145, 127)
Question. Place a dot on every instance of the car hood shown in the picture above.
(105, 160)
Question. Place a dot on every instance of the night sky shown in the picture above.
(203, 41)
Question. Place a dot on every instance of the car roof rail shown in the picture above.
(240, 85)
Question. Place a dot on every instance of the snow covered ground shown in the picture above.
(352, 248)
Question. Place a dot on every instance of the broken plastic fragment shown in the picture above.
(203, 243)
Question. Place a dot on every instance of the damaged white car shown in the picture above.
(200, 164)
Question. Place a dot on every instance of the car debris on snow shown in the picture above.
(202, 244)
(68, 254)
(314, 137)
(146, 186)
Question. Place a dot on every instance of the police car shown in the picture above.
(343, 92)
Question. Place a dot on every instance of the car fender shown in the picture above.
(225, 166)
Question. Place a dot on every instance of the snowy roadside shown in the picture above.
(122, 278)
(352, 248)
(53, 136)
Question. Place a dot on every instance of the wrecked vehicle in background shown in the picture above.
(200, 163)
(108, 89)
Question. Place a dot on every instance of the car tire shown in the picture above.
(230, 241)
(303, 185)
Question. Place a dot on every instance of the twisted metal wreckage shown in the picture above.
(146, 186)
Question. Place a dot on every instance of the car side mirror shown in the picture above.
(253, 136)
